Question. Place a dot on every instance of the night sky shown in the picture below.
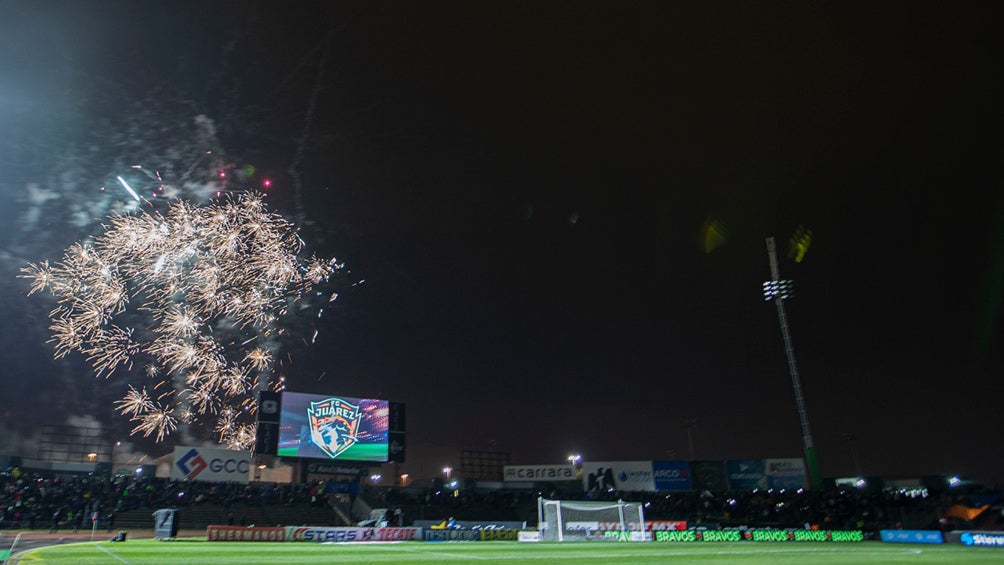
(525, 188)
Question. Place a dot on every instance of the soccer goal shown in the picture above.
(580, 520)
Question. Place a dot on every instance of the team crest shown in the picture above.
(333, 425)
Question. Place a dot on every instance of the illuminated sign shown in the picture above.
(912, 536)
(241, 533)
(671, 475)
(210, 464)
(539, 472)
(695, 535)
(983, 539)
(333, 428)
(759, 535)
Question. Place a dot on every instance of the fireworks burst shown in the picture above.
(210, 283)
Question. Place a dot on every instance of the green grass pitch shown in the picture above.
(197, 551)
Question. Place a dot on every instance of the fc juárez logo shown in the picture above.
(333, 425)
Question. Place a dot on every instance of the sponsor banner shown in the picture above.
(804, 535)
(529, 536)
(211, 464)
(341, 487)
(602, 476)
(322, 534)
(671, 475)
(746, 474)
(396, 534)
(658, 525)
(911, 536)
(786, 473)
(470, 525)
(982, 539)
(451, 535)
(241, 533)
(539, 473)
(334, 469)
(499, 535)
(608, 525)
(627, 536)
(708, 475)
(760, 535)
(696, 535)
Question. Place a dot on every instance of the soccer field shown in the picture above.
(197, 551)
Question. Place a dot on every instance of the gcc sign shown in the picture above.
(210, 464)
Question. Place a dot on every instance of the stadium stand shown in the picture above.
(63, 503)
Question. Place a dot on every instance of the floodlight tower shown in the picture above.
(778, 290)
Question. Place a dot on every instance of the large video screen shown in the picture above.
(333, 427)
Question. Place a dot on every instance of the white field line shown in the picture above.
(110, 553)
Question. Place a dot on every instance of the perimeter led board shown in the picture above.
(329, 427)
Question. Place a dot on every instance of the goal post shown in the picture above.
(582, 520)
(7, 545)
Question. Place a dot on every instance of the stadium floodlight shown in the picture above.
(778, 290)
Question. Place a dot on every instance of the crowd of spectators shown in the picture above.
(834, 508)
(34, 501)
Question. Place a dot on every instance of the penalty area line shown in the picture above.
(110, 553)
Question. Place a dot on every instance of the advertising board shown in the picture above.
(602, 476)
(210, 464)
(241, 533)
(785, 473)
(451, 535)
(746, 474)
(759, 535)
(982, 539)
(911, 536)
(324, 534)
(539, 473)
(671, 475)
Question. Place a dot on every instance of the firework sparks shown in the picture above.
(207, 281)
(134, 403)
(157, 421)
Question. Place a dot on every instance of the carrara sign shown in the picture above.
(539, 473)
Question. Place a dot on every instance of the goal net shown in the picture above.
(580, 520)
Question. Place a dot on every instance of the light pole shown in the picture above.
(778, 290)
(447, 471)
(691, 424)
(574, 459)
